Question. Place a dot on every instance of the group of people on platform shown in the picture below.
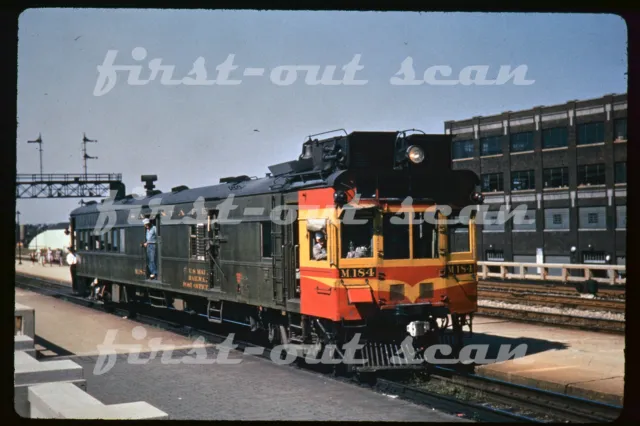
(47, 256)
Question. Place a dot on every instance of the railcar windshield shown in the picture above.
(458, 233)
(401, 237)
(425, 236)
(395, 234)
(357, 234)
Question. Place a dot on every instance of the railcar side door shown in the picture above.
(278, 251)
(156, 222)
(215, 239)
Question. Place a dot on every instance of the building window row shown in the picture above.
(557, 137)
(557, 219)
(554, 177)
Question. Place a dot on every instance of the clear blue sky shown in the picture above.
(193, 135)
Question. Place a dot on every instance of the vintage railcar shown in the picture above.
(242, 251)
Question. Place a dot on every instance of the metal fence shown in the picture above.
(614, 274)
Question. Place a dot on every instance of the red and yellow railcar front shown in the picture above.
(391, 271)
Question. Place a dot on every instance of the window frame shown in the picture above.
(514, 141)
(342, 245)
(583, 137)
(548, 175)
(616, 136)
(497, 139)
(582, 172)
(262, 242)
(532, 179)
(529, 227)
(500, 182)
(460, 146)
(548, 135)
(602, 211)
(620, 168)
(620, 208)
(551, 212)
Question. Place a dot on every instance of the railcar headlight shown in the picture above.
(477, 197)
(415, 154)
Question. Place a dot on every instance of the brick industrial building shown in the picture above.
(567, 163)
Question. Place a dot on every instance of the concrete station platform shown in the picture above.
(253, 389)
(580, 363)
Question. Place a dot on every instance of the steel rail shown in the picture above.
(551, 300)
(568, 407)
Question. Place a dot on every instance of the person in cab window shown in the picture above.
(320, 249)
(151, 243)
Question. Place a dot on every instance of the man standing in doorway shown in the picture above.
(72, 261)
(150, 244)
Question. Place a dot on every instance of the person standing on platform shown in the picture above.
(151, 243)
(72, 261)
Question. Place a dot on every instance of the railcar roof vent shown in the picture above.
(179, 188)
(235, 179)
(153, 192)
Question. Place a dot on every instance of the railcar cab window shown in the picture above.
(458, 233)
(357, 234)
(425, 236)
(395, 235)
(319, 246)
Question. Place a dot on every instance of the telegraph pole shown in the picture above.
(85, 156)
(39, 142)
(19, 240)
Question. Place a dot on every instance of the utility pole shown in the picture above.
(85, 156)
(19, 240)
(39, 142)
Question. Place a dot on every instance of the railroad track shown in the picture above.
(551, 300)
(559, 406)
(559, 289)
(553, 304)
(512, 396)
(584, 323)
